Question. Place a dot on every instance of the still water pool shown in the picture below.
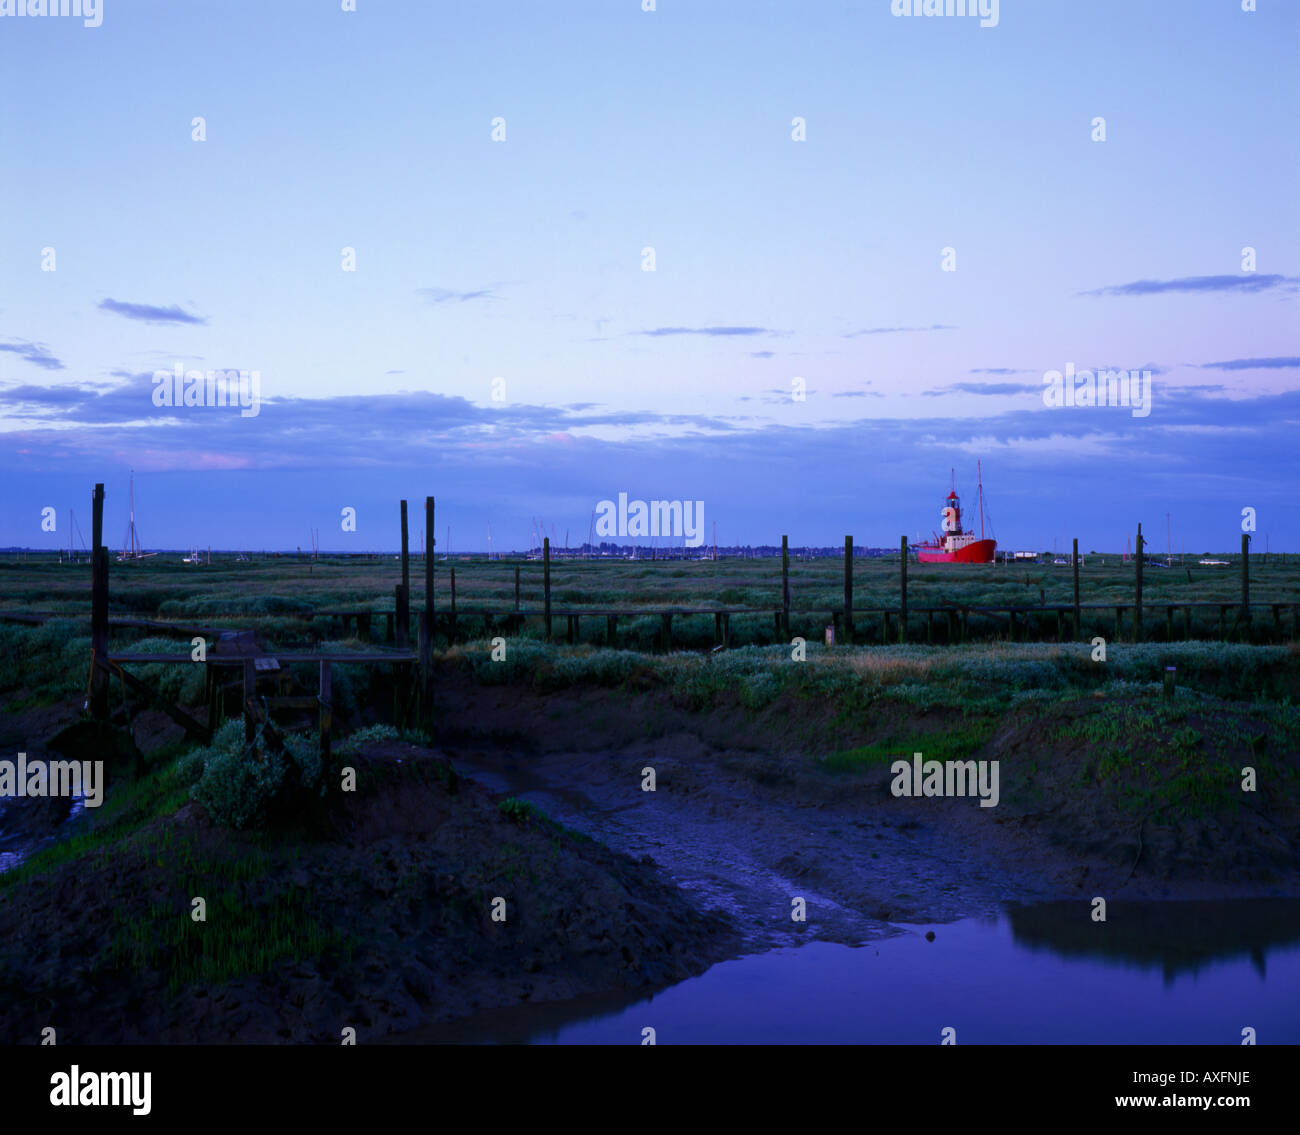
(1153, 973)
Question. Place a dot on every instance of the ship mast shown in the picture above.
(980, 474)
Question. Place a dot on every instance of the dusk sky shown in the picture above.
(775, 259)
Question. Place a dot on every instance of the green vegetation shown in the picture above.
(950, 742)
(1183, 759)
(243, 788)
(253, 921)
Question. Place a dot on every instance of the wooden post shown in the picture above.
(212, 687)
(516, 587)
(99, 612)
(326, 710)
(611, 629)
(717, 630)
(403, 595)
(1075, 558)
(250, 691)
(1169, 623)
(1245, 577)
(402, 603)
(428, 623)
(726, 628)
(848, 591)
(406, 551)
(902, 589)
(1137, 604)
(785, 585)
(428, 562)
(546, 583)
(666, 621)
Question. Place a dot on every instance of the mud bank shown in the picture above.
(384, 924)
(749, 814)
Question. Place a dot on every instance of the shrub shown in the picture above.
(256, 786)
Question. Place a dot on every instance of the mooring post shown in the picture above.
(785, 585)
(902, 589)
(250, 692)
(1075, 558)
(848, 590)
(427, 623)
(99, 612)
(403, 597)
(326, 711)
(1245, 577)
(1137, 606)
(546, 585)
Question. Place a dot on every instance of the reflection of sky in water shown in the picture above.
(974, 977)
(16, 854)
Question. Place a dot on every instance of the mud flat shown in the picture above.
(749, 813)
(382, 923)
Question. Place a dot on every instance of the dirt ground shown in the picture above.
(745, 822)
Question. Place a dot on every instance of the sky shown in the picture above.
(427, 228)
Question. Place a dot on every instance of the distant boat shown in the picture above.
(131, 546)
(957, 546)
(193, 558)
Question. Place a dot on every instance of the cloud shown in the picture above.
(1248, 283)
(984, 388)
(761, 354)
(35, 353)
(997, 370)
(893, 330)
(147, 313)
(712, 331)
(1280, 362)
(858, 394)
(448, 295)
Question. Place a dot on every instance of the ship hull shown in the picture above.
(978, 552)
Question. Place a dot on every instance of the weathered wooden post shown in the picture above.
(403, 596)
(250, 692)
(326, 709)
(1137, 605)
(785, 585)
(902, 589)
(99, 612)
(546, 584)
(848, 590)
(1077, 632)
(428, 623)
(1245, 578)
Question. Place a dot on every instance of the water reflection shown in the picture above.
(1043, 974)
